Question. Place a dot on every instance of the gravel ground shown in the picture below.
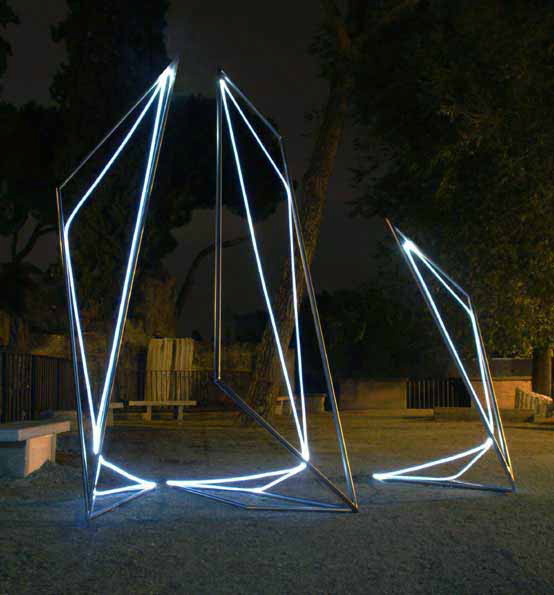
(406, 539)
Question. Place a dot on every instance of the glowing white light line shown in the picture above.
(304, 447)
(218, 484)
(479, 450)
(252, 477)
(69, 263)
(408, 245)
(141, 484)
(447, 336)
(290, 474)
(160, 92)
(411, 247)
(297, 322)
(286, 185)
(68, 254)
(111, 492)
(412, 250)
(255, 135)
(133, 252)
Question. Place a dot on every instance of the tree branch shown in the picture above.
(39, 231)
(189, 279)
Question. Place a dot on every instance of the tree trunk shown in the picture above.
(266, 379)
(346, 30)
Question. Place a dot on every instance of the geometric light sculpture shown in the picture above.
(488, 411)
(264, 485)
(92, 406)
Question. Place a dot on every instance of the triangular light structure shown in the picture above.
(488, 410)
(92, 405)
(264, 485)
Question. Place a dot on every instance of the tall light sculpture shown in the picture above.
(264, 484)
(488, 411)
(95, 404)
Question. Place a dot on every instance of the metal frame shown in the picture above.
(490, 417)
(157, 98)
(226, 90)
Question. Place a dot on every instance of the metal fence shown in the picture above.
(33, 384)
(428, 393)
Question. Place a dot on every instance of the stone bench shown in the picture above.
(26, 446)
(147, 416)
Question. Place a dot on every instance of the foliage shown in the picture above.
(361, 332)
(115, 51)
(26, 178)
(455, 104)
(26, 198)
(7, 17)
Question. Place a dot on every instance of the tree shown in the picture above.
(7, 17)
(337, 45)
(26, 183)
(115, 51)
(454, 100)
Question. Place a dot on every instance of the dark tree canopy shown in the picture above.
(455, 103)
(7, 17)
(115, 52)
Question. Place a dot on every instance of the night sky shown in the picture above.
(265, 51)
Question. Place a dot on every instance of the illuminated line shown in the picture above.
(291, 473)
(446, 334)
(141, 484)
(278, 476)
(217, 484)
(480, 450)
(286, 184)
(304, 447)
(410, 247)
(230, 479)
(164, 82)
(162, 92)
(471, 316)
(112, 131)
(412, 250)
(69, 262)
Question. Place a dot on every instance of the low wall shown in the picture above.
(359, 394)
(505, 389)
(373, 394)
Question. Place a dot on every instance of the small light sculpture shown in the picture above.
(263, 484)
(156, 101)
(489, 413)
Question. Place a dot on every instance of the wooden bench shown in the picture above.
(315, 403)
(179, 405)
(26, 446)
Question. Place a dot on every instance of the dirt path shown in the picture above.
(406, 539)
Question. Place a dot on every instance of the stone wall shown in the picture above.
(391, 393)
(505, 389)
(373, 394)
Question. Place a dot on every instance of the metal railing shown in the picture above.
(33, 384)
(428, 393)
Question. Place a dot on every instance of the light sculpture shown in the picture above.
(154, 102)
(488, 411)
(263, 484)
